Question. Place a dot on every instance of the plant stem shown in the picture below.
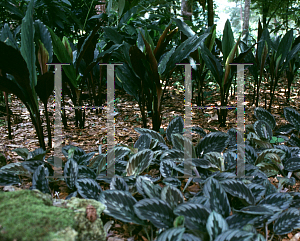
(87, 15)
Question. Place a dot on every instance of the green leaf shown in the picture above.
(28, 48)
(42, 33)
(7, 37)
(113, 35)
(216, 225)
(227, 41)
(183, 51)
(212, 64)
(284, 47)
(121, 5)
(62, 55)
(184, 28)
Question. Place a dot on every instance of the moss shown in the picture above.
(87, 230)
(29, 215)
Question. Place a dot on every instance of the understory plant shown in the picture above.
(223, 208)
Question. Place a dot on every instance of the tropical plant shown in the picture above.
(20, 65)
(224, 76)
(237, 207)
(147, 69)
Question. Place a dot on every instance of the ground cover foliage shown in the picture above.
(148, 195)
(225, 208)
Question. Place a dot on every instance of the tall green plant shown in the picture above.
(278, 55)
(223, 74)
(146, 70)
(22, 70)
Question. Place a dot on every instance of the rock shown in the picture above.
(30, 215)
(87, 230)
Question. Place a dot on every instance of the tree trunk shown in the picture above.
(210, 12)
(186, 10)
(266, 6)
(246, 16)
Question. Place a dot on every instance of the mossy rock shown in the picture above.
(30, 215)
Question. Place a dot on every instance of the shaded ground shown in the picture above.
(129, 117)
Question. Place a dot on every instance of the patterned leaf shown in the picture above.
(263, 130)
(152, 134)
(292, 164)
(172, 196)
(139, 162)
(88, 188)
(178, 142)
(166, 167)
(217, 197)
(239, 220)
(172, 181)
(150, 189)
(143, 142)
(71, 173)
(16, 168)
(139, 186)
(284, 130)
(213, 142)
(230, 160)
(255, 210)
(235, 234)
(257, 190)
(7, 178)
(190, 237)
(292, 116)
(199, 131)
(269, 169)
(173, 154)
(196, 215)
(294, 140)
(118, 183)
(98, 162)
(287, 221)
(265, 155)
(205, 164)
(264, 115)
(22, 152)
(84, 159)
(215, 225)
(238, 189)
(120, 205)
(85, 172)
(157, 211)
(232, 133)
(281, 200)
(39, 180)
(174, 234)
(175, 126)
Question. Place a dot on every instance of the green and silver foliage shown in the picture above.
(225, 207)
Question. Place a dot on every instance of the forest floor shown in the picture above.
(129, 117)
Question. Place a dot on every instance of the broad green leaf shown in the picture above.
(28, 48)
(284, 47)
(229, 61)
(121, 5)
(63, 57)
(42, 33)
(43, 57)
(7, 37)
(227, 41)
(184, 28)
(212, 64)
(66, 43)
